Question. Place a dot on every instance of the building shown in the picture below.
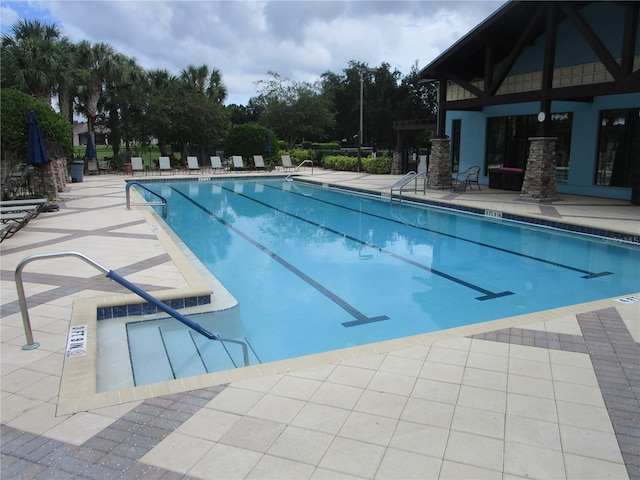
(81, 133)
(545, 98)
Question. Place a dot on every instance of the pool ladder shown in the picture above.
(162, 202)
(288, 179)
(405, 180)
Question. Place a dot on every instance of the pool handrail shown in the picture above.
(406, 179)
(288, 179)
(163, 201)
(30, 345)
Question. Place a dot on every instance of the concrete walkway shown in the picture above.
(550, 395)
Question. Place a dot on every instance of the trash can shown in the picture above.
(77, 171)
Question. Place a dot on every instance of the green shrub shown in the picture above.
(378, 165)
(13, 118)
(340, 163)
(249, 139)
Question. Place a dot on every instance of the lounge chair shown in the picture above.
(286, 162)
(12, 222)
(26, 201)
(460, 181)
(216, 163)
(136, 165)
(92, 167)
(238, 163)
(192, 164)
(42, 205)
(31, 209)
(165, 165)
(104, 166)
(259, 162)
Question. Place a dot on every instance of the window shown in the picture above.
(455, 145)
(618, 148)
(508, 141)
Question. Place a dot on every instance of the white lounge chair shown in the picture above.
(104, 166)
(92, 167)
(216, 163)
(192, 164)
(238, 163)
(165, 165)
(259, 162)
(136, 165)
(286, 162)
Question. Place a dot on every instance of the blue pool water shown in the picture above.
(315, 269)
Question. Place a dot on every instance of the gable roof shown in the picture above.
(502, 30)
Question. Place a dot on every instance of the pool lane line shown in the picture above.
(587, 274)
(487, 294)
(360, 317)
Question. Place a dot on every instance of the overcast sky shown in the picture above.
(244, 40)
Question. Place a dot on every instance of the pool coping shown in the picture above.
(79, 377)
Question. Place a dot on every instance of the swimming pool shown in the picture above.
(316, 269)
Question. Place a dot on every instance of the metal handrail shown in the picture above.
(163, 201)
(288, 179)
(405, 180)
(110, 274)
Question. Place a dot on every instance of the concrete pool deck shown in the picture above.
(549, 395)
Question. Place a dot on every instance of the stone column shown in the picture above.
(540, 176)
(396, 163)
(440, 164)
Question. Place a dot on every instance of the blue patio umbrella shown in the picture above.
(267, 139)
(37, 151)
(91, 148)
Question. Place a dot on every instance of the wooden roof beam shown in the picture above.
(515, 52)
(629, 38)
(592, 40)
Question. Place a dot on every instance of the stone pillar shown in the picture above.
(440, 164)
(396, 163)
(540, 176)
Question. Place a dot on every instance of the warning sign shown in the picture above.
(77, 342)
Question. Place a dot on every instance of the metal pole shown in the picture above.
(360, 131)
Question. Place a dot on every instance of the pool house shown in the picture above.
(544, 97)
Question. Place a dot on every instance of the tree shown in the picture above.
(123, 103)
(99, 64)
(295, 110)
(31, 59)
(203, 118)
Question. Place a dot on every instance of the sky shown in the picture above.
(245, 39)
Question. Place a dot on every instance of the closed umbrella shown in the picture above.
(37, 151)
(267, 147)
(91, 148)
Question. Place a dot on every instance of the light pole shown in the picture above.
(370, 70)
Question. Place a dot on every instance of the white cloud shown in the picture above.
(245, 39)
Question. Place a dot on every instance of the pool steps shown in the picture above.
(169, 351)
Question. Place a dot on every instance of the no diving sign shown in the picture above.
(77, 342)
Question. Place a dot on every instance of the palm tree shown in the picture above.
(31, 58)
(122, 101)
(100, 64)
(216, 89)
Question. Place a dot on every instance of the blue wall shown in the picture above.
(584, 139)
